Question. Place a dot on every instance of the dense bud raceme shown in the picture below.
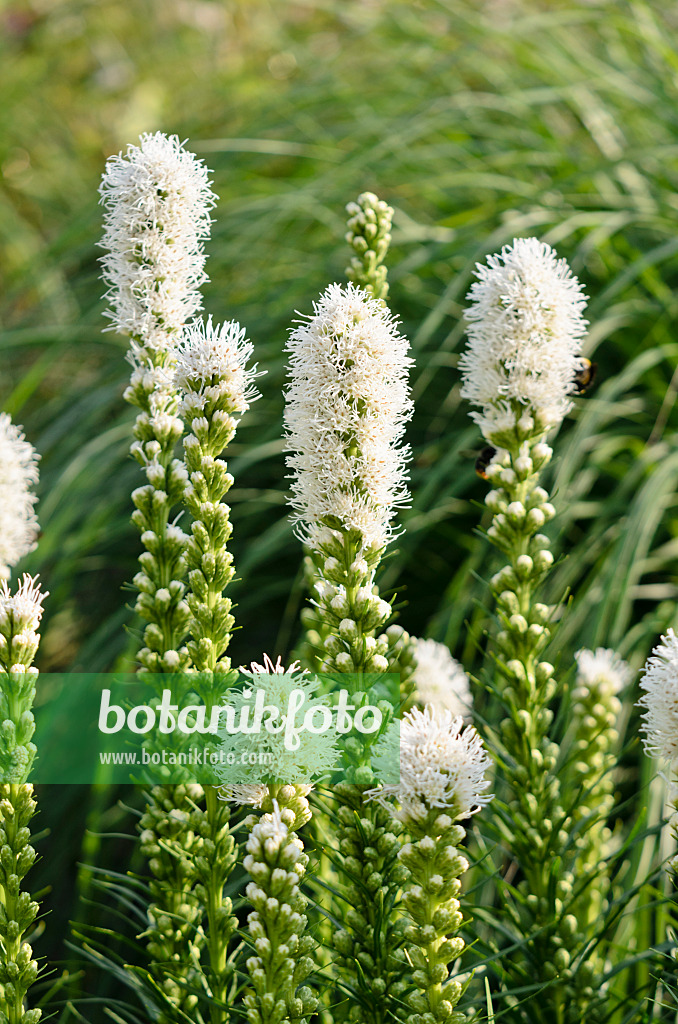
(347, 406)
(18, 476)
(369, 236)
(157, 198)
(660, 700)
(442, 765)
(439, 679)
(525, 327)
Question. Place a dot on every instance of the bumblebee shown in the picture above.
(484, 459)
(584, 378)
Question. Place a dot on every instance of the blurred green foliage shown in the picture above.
(477, 121)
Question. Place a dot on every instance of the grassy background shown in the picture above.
(477, 122)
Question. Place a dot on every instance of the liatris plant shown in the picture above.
(442, 781)
(20, 615)
(520, 368)
(212, 376)
(347, 406)
(157, 201)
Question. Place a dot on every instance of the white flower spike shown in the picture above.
(525, 326)
(157, 199)
(18, 476)
(347, 406)
(660, 700)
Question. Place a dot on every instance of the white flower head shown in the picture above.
(442, 765)
(602, 670)
(18, 476)
(439, 679)
(525, 326)
(157, 199)
(347, 406)
(660, 700)
(21, 610)
(210, 358)
(288, 752)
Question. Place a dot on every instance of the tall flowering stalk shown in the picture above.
(347, 406)
(20, 615)
(525, 326)
(157, 203)
(283, 948)
(596, 710)
(212, 376)
(281, 960)
(442, 781)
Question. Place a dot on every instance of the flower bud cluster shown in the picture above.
(170, 839)
(434, 866)
(161, 598)
(368, 940)
(369, 235)
(596, 710)
(349, 606)
(282, 960)
(18, 969)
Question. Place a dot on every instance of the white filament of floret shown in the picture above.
(439, 679)
(525, 326)
(347, 406)
(660, 700)
(602, 669)
(18, 476)
(442, 765)
(252, 793)
(157, 199)
(24, 606)
(208, 356)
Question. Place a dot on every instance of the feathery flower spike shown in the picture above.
(157, 199)
(439, 679)
(346, 410)
(660, 700)
(18, 476)
(525, 326)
